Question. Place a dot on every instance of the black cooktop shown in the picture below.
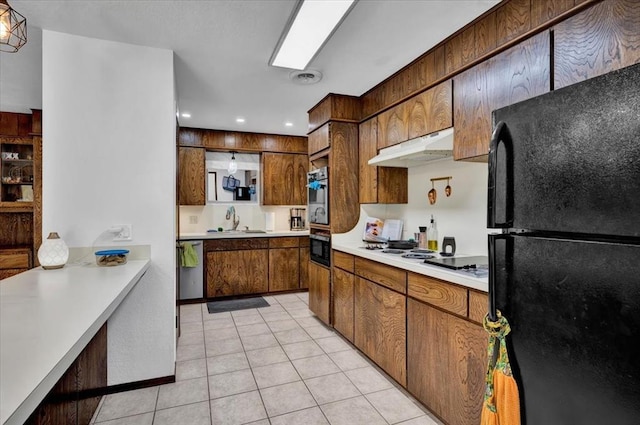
(457, 263)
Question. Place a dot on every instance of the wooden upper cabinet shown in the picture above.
(384, 185)
(603, 38)
(241, 141)
(284, 179)
(513, 19)
(320, 139)
(422, 114)
(393, 126)
(367, 149)
(337, 107)
(460, 50)
(514, 75)
(544, 10)
(191, 162)
(430, 111)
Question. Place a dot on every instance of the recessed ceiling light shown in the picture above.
(186, 115)
(288, 124)
(240, 120)
(308, 29)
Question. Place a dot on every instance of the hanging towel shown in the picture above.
(188, 255)
(501, 400)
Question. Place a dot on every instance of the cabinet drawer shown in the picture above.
(478, 306)
(304, 241)
(438, 293)
(14, 261)
(343, 261)
(236, 244)
(286, 242)
(382, 274)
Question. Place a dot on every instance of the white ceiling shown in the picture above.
(222, 49)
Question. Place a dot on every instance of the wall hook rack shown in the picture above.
(432, 194)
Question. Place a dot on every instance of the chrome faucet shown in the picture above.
(231, 215)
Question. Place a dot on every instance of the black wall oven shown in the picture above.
(320, 249)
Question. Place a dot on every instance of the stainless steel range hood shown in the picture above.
(417, 151)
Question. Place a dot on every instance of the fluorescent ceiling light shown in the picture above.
(240, 119)
(288, 124)
(186, 115)
(311, 25)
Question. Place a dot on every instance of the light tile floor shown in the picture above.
(276, 365)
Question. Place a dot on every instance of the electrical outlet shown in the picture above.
(124, 234)
(193, 219)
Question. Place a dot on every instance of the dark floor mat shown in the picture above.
(233, 305)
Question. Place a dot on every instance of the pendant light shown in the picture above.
(233, 165)
(13, 29)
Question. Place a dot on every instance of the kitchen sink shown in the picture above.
(253, 231)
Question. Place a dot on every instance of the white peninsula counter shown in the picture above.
(47, 317)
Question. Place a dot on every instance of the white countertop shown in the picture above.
(240, 235)
(47, 317)
(462, 278)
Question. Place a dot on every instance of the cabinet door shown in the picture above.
(514, 75)
(284, 179)
(367, 149)
(380, 327)
(300, 169)
(430, 111)
(343, 297)
(446, 361)
(284, 269)
(393, 126)
(467, 351)
(319, 291)
(191, 176)
(384, 185)
(304, 267)
(320, 139)
(237, 272)
(605, 35)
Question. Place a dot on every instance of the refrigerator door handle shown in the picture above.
(501, 136)
(494, 264)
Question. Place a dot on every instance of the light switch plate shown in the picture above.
(125, 234)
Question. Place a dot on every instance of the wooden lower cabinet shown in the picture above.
(14, 261)
(320, 291)
(239, 272)
(284, 269)
(446, 361)
(304, 267)
(66, 403)
(343, 302)
(380, 327)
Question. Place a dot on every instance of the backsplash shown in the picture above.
(462, 215)
(213, 216)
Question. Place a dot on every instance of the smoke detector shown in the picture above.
(305, 77)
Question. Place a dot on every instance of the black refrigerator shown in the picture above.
(564, 187)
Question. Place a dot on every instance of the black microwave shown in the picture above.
(320, 249)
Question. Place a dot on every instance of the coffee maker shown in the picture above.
(297, 218)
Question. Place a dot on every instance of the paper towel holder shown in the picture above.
(270, 221)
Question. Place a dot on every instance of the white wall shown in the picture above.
(109, 158)
(462, 215)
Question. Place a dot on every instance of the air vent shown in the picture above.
(305, 77)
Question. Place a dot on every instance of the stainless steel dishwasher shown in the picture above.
(191, 278)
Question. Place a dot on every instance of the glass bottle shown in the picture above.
(432, 236)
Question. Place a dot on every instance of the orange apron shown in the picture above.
(501, 400)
